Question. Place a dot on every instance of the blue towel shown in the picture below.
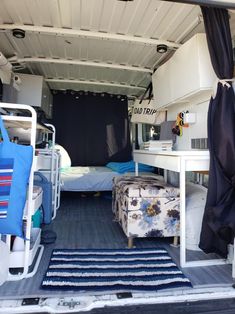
(129, 166)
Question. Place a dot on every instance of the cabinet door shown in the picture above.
(161, 85)
(30, 92)
(187, 74)
(35, 92)
(191, 69)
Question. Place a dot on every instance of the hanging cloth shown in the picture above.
(218, 226)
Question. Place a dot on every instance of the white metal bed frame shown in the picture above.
(27, 261)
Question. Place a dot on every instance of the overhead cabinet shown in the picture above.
(186, 76)
(35, 92)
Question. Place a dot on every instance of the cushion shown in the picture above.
(65, 159)
(129, 166)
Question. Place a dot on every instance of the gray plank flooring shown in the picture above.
(87, 222)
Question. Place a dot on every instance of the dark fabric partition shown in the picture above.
(218, 227)
(93, 128)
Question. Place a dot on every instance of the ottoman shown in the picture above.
(146, 207)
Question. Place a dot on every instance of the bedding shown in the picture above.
(65, 160)
(87, 179)
(94, 178)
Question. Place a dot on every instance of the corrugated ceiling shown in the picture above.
(95, 45)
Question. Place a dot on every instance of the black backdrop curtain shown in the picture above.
(93, 128)
(218, 227)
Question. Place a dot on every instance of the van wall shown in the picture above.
(195, 130)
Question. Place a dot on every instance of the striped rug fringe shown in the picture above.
(119, 270)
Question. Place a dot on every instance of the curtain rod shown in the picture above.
(210, 3)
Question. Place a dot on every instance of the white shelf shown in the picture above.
(43, 162)
(48, 164)
(196, 160)
(17, 257)
(36, 203)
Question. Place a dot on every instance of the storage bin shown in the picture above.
(37, 219)
(146, 207)
(41, 180)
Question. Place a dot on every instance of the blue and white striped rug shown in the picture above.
(116, 270)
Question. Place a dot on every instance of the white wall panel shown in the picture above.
(148, 19)
(5, 14)
(91, 73)
(6, 46)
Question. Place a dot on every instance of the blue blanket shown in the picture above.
(129, 166)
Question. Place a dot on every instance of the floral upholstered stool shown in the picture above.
(146, 207)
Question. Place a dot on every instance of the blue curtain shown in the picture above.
(218, 227)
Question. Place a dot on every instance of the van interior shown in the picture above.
(124, 104)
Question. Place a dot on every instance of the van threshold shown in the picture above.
(78, 303)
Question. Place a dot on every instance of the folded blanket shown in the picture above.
(129, 166)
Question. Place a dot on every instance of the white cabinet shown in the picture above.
(161, 86)
(35, 92)
(188, 74)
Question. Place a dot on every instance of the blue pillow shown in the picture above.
(129, 166)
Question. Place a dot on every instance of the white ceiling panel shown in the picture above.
(94, 88)
(109, 32)
(91, 73)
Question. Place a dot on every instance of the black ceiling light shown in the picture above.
(161, 48)
(18, 33)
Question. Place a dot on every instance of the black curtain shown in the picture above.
(1, 90)
(93, 128)
(218, 227)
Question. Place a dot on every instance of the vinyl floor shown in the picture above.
(86, 221)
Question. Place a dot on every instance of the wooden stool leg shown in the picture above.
(233, 261)
(115, 218)
(175, 241)
(130, 243)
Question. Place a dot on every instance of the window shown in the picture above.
(150, 132)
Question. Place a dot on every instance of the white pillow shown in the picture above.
(65, 159)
